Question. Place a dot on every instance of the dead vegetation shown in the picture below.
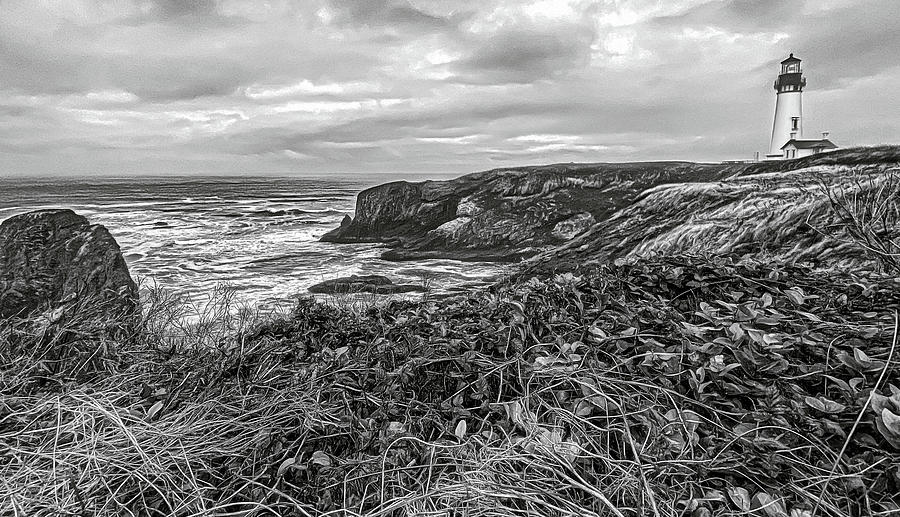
(833, 215)
(662, 387)
(867, 211)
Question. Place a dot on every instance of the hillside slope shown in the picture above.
(773, 211)
(506, 214)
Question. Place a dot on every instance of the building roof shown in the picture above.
(822, 143)
(790, 59)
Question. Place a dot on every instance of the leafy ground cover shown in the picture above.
(678, 386)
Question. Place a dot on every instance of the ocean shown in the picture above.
(256, 236)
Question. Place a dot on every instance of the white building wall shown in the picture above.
(790, 152)
(787, 106)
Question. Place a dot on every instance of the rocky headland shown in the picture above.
(505, 214)
(815, 210)
(567, 215)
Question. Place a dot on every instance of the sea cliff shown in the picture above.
(826, 210)
(506, 214)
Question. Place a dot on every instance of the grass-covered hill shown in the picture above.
(660, 387)
(807, 210)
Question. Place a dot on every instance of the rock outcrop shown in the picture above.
(394, 210)
(505, 214)
(363, 284)
(52, 257)
(574, 226)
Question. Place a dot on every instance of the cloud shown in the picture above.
(166, 61)
(848, 43)
(840, 39)
(426, 85)
(737, 15)
(382, 14)
(517, 55)
(177, 8)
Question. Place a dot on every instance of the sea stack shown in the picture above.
(52, 257)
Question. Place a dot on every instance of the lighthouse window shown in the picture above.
(795, 122)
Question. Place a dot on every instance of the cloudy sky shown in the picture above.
(326, 86)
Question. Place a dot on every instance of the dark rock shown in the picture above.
(505, 214)
(393, 210)
(363, 284)
(505, 254)
(346, 220)
(51, 257)
(574, 226)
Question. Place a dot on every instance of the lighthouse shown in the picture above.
(788, 107)
(787, 130)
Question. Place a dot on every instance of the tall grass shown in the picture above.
(867, 211)
(834, 216)
(207, 320)
(638, 389)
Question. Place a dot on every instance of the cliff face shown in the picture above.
(505, 214)
(770, 211)
(394, 210)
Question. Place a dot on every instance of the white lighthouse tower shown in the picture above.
(788, 107)
(787, 131)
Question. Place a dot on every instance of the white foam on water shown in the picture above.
(261, 238)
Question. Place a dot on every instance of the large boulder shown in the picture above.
(52, 257)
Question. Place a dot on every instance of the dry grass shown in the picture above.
(833, 215)
(626, 391)
(867, 210)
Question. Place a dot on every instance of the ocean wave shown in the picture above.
(259, 235)
(275, 213)
(192, 242)
(305, 256)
